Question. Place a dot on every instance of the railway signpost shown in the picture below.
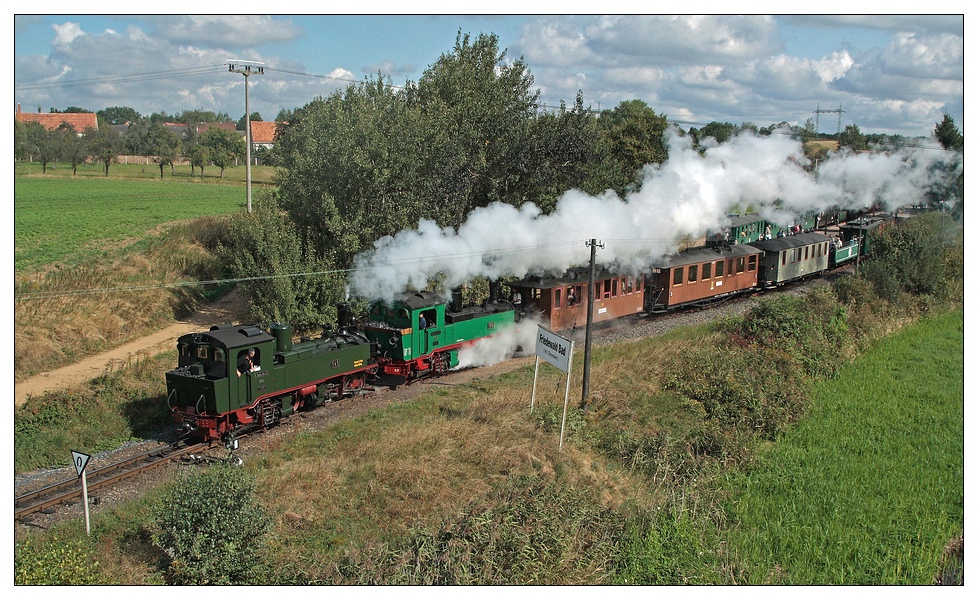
(80, 460)
(559, 352)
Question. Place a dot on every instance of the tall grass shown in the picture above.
(868, 489)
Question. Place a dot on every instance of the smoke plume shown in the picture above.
(687, 195)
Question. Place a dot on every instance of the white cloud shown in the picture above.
(226, 31)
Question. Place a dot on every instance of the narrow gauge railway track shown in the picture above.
(63, 492)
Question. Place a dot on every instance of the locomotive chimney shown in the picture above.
(456, 304)
(343, 315)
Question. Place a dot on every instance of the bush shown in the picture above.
(211, 527)
(71, 562)
(529, 531)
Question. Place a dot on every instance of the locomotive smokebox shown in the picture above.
(283, 336)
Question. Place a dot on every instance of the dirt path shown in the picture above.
(231, 308)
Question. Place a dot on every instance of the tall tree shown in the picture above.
(948, 135)
(853, 139)
(43, 145)
(631, 137)
(73, 148)
(163, 144)
(104, 144)
(118, 115)
(224, 147)
(485, 102)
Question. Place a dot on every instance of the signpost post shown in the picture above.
(559, 352)
(80, 460)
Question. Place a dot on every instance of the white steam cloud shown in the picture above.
(519, 338)
(685, 196)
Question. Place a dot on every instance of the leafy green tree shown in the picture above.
(72, 147)
(293, 283)
(631, 137)
(104, 144)
(240, 126)
(907, 256)
(198, 155)
(721, 132)
(224, 147)
(948, 135)
(163, 144)
(853, 139)
(42, 145)
(135, 138)
(212, 527)
(563, 148)
(118, 115)
(486, 104)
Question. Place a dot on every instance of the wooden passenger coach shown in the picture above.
(705, 274)
(561, 302)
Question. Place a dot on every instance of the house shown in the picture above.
(51, 121)
(263, 134)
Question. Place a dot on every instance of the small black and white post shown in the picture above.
(80, 460)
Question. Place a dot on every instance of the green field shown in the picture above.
(71, 219)
(869, 487)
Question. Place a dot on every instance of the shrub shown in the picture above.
(57, 562)
(211, 526)
(529, 531)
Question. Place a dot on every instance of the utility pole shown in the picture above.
(594, 244)
(247, 68)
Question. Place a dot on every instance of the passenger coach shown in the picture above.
(793, 257)
(701, 276)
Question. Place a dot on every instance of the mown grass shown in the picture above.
(68, 221)
(868, 488)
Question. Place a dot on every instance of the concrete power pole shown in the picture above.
(247, 68)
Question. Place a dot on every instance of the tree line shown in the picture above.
(142, 136)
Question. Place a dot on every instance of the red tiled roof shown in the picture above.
(51, 121)
(263, 132)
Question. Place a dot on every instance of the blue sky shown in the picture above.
(889, 74)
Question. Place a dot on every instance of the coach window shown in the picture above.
(719, 264)
(752, 262)
(557, 298)
(806, 252)
(784, 258)
(677, 276)
(693, 273)
(740, 264)
(613, 291)
(706, 271)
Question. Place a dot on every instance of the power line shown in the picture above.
(116, 79)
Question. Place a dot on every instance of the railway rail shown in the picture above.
(64, 492)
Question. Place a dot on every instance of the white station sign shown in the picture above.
(553, 349)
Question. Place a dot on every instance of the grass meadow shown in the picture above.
(67, 220)
(127, 234)
(869, 487)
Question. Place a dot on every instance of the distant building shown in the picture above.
(51, 121)
(263, 134)
(200, 128)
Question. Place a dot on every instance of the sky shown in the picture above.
(896, 74)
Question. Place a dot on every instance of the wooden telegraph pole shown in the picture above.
(594, 244)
